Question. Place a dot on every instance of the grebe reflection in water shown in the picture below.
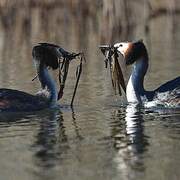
(130, 141)
(45, 57)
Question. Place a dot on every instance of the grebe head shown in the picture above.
(132, 51)
(45, 55)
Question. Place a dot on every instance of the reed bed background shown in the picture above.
(109, 18)
(81, 25)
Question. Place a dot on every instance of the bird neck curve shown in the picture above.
(135, 86)
(47, 81)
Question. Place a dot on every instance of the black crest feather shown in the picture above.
(46, 54)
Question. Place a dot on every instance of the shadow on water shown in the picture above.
(51, 140)
(130, 141)
(55, 150)
(133, 134)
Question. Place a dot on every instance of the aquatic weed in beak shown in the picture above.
(63, 72)
(111, 59)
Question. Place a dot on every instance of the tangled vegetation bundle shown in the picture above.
(111, 59)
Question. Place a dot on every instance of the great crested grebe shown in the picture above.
(167, 94)
(45, 56)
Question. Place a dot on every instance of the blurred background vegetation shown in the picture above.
(106, 20)
(81, 25)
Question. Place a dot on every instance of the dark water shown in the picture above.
(101, 138)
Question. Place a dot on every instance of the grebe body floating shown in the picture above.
(45, 56)
(167, 94)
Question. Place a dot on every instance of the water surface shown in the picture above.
(101, 138)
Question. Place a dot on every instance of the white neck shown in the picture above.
(135, 88)
(47, 81)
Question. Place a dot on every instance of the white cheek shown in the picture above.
(123, 49)
(120, 50)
